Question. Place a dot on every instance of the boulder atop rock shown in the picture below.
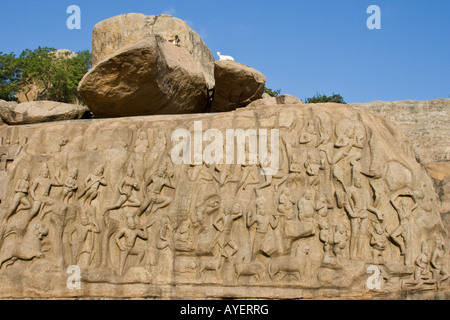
(147, 78)
(147, 65)
(40, 111)
(113, 34)
(237, 85)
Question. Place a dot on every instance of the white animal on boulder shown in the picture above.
(225, 58)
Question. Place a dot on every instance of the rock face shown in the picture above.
(141, 74)
(267, 100)
(41, 111)
(141, 209)
(237, 85)
(150, 77)
(425, 123)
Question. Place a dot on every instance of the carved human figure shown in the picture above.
(262, 220)
(421, 267)
(321, 207)
(378, 242)
(313, 168)
(224, 224)
(247, 177)
(404, 211)
(20, 196)
(340, 239)
(326, 237)
(220, 173)
(82, 231)
(142, 143)
(40, 190)
(93, 183)
(70, 185)
(306, 211)
(286, 205)
(309, 137)
(199, 171)
(153, 200)
(127, 187)
(294, 174)
(440, 273)
(357, 206)
(130, 233)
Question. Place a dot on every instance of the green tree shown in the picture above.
(272, 93)
(321, 98)
(56, 73)
(9, 76)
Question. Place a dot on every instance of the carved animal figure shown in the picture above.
(27, 248)
(289, 265)
(255, 269)
(213, 263)
(225, 58)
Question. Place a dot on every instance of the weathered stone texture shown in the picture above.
(106, 195)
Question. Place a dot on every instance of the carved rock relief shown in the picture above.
(106, 196)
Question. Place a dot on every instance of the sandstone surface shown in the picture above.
(237, 85)
(152, 76)
(110, 197)
(40, 111)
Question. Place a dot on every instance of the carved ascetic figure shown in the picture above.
(93, 183)
(404, 211)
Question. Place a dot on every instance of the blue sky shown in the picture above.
(302, 47)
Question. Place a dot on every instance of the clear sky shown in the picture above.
(301, 46)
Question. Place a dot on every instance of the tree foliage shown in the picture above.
(321, 98)
(56, 74)
(272, 93)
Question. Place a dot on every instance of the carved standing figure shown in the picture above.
(70, 185)
(357, 206)
(262, 221)
(404, 211)
(130, 233)
(82, 231)
(20, 196)
(224, 224)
